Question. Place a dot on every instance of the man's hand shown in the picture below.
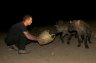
(29, 36)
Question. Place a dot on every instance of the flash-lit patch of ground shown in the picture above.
(55, 52)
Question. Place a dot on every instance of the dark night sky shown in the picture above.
(47, 15)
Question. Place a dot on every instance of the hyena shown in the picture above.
(65, 29)
(83, 32)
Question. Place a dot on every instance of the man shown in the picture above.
(18, 36)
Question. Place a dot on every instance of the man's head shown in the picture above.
(27, 20)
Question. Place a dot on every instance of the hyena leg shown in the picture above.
(69, 38)
(79, 40)
(76, 35)
(85, 43)
(89, 39)
(61, 37)
(82, 37)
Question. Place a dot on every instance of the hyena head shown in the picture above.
(60, 25)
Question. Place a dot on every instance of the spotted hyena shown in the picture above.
(65, 29)
(83, 32)
(78, 28)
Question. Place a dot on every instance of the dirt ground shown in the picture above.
(55, 52)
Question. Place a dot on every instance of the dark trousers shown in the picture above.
(21, 41)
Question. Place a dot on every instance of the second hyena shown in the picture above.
(83, 32)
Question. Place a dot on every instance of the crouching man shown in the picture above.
(18, 36)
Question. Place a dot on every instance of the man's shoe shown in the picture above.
(22, 52)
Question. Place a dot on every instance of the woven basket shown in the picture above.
(45, 37)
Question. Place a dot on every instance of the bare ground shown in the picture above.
(55, 52)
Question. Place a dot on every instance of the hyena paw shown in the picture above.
(78, 45)
(86, 46)
(68, 42)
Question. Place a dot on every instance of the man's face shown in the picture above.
(29, 21)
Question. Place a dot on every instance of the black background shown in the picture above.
(44, 13)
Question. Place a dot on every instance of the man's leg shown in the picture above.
(10, 44)
(21, 44)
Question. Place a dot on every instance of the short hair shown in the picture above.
(26, 17)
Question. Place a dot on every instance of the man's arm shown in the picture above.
(29, 36)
